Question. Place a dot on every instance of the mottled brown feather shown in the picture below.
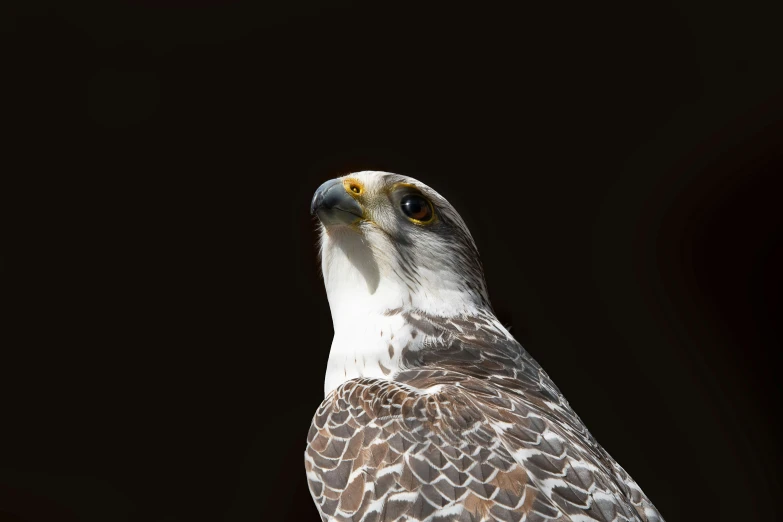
(496, 441)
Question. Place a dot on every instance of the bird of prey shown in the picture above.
(433, 412)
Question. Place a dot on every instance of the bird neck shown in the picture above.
(369, 301)
(371, 345)
(373, 332)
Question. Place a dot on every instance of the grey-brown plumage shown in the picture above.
(464, 425)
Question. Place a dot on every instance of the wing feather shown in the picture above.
(475, 431)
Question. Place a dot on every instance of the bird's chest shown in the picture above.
(372, 347)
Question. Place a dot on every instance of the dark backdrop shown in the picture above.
(617, 164)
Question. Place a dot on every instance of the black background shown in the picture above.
(618, 165)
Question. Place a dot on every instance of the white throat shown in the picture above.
(366, 297)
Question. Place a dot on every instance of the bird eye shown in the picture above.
(417, 208)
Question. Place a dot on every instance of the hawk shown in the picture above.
(433, 412)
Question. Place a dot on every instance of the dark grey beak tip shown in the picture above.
(318, 197)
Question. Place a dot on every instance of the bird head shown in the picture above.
(391, 242)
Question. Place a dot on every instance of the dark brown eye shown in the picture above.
(416, 207)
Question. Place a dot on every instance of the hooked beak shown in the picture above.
(334, 205)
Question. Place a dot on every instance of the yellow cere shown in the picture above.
(353, 186)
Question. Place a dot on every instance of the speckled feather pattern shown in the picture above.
(472, 430)
(433, 412)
